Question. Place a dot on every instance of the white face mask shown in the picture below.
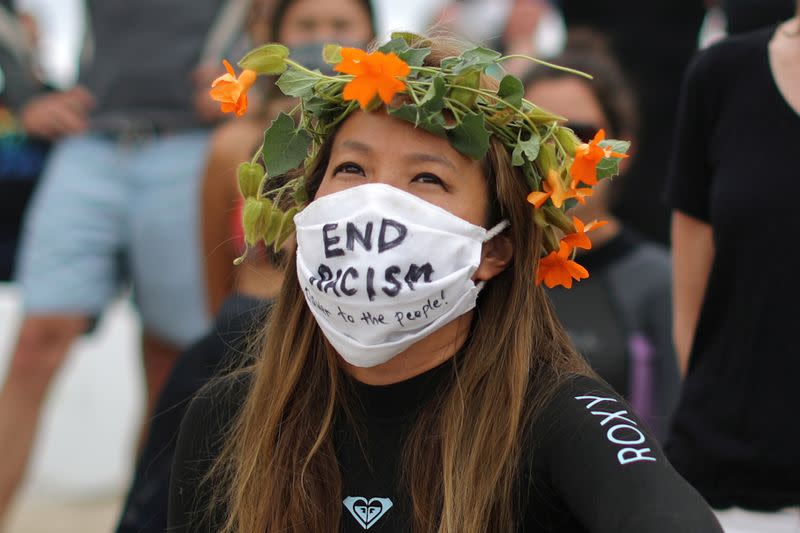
(381, 269)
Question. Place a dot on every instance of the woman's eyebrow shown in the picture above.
(357, 146)
(431, 158)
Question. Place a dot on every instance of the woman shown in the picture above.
(734, 338)
(620, 318)
(389, 395)
(239, 299)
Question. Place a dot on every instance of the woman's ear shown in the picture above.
(495, 257)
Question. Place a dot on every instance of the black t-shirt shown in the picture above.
(594, 467)
(748, 15)
(736, 434)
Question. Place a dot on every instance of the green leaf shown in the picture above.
(332, 54)
(396, 45)
(479, 58)
(434, 97)
(415, 57)
(511, 90)
(268, 59)
(608, 167)
(526, 150)
(621, 147)
(411, 39)
(296, 82)
(471, 79)
(406, 112)
(315, 105)
(284, 146)
(470, 136)
(433, 122)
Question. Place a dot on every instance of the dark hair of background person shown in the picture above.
(588, 52)
(748, 15)
(281, 6)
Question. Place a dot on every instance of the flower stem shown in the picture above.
(547, 64)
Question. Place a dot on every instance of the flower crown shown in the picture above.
(447, 101)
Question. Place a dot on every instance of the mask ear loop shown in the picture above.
(497, 230)
(491, 234)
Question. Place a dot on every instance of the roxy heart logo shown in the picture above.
(367, 512)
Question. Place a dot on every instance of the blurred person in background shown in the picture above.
(508, 26)
(620, 318)
(21, 156)
(733, 189)
(117, 200)
(654, 42)
(239, 296)
(304, 26)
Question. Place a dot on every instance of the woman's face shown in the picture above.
(378, 148)
(307, 21)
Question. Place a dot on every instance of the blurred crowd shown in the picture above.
(128, 180)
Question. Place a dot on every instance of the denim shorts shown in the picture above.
(107, 212)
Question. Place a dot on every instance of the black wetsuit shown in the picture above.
(588, 464)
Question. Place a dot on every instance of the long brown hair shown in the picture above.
(278, 471)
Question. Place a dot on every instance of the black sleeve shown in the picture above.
(688, 178)
(608, 471)
(200, 440)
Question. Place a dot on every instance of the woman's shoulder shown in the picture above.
(585, 411)
(599, 465)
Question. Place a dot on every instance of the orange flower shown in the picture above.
(553, 189)
(579, 239)
(375, 73)
(582, 194)
(232, 92)
(587, 156)
(558, 269)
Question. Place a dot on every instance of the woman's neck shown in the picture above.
(420, 357)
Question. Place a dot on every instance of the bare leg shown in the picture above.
(41, 349)
(158, 358)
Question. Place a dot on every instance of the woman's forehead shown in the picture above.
(382, 134)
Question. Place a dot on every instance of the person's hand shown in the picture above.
(204, 107)
(54, 115)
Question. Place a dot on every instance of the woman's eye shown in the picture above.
(429, 178)
(349, 168)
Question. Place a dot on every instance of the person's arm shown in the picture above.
(231, 144)
(692, 255)
(609, 471)
(688, 192)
